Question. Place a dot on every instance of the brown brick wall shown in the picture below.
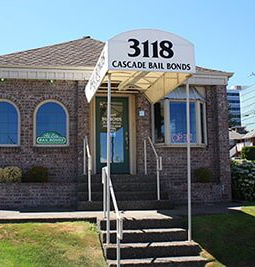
(38, 196)
(61, 162)
(65, 164)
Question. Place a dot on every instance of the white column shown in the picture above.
(108, 155)
(188, 159)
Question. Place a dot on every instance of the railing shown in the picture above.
(158, 162)
(107, 187)
(86, 154)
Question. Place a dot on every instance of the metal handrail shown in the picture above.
(86, 154)
(158, 161)
(106, 207)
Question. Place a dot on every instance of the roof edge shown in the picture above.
(90, 68)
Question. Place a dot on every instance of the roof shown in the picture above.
(180, 93)
(83, 52)
(249, 135)
(233, 135)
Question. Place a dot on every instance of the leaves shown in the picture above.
(243, 179)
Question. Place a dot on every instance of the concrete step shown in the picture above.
(98, 196)
(119, 187)
(127, 205)
(153, 250)
(143, 223)
(95, 187)
(121, 178)
(183, 261)
(148, 235)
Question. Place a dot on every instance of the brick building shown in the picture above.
(44, 118)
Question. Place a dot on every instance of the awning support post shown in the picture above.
(108, 156)
(188, 159)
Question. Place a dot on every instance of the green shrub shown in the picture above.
(203, 175)
(10, 175)
(1, 175)
(37, 174)
(243, 179)
(248, 152)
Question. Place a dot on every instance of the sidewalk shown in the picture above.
(19, 216)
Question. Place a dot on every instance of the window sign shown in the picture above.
(51, 138)
(178, 122)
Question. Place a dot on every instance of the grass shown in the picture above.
(230, 238)
(249, 210)
(50, 244)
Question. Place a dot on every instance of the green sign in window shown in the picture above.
(51, 138)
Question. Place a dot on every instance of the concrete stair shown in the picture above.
(151, 242)
(184, 261)
(133, 192)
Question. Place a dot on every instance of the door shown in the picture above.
(119, 134)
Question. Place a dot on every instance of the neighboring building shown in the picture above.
(44, 118)
(237, 141)
(247, 98)
(233, 94)
(235, 138)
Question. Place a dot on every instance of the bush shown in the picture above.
(37, 174)
(243, 179)
(248, 152)
(203, 175)
(10, 175)
(1, 174)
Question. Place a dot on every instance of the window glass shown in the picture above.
(178, 130)
(8, 124)
(51, 124)
(159, 125)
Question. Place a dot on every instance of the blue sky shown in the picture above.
(223, 31)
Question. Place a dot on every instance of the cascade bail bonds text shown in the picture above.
(163, 49)
(149, 65)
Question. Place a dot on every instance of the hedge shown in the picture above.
(36, 174)
(243, 179)
(10, 174)
(248, 152)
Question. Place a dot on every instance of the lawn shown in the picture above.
(230, 238)
(50, 244)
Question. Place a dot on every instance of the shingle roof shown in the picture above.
(233, 135)
(76, 53)
(82, 52)
(249, 135)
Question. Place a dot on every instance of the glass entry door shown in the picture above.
(119, 134)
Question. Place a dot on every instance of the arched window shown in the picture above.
(51, 124)
(9, 124)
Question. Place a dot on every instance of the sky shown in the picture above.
(223, 31)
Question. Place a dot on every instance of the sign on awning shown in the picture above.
(152, 61)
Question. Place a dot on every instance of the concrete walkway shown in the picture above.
(19, 216)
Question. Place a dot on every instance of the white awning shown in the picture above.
(151, 61)
(155, 85)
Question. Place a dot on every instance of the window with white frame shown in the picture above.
(169, 118)
(51, 124)
(9, 124)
